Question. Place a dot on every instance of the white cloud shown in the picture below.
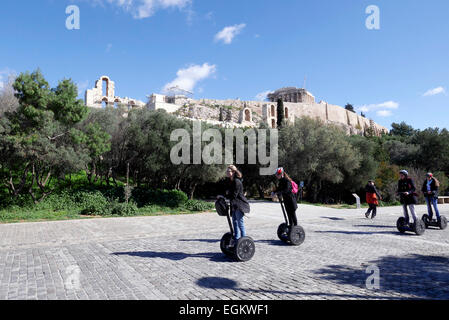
(263, 95)
(142, 9)
(384, 113)
(228, 34)
(382, 109)
(434, 92)
(392, 105)
(188, 78)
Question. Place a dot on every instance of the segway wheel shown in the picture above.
(297, 236)
(426, 220)
(401, 224)
(224, 244)
(283, 232)
(419, 227)
(245, 249)
(442, 223)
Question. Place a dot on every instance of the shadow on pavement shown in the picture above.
(333, 218)
(277, 243)
(365, 232)
(374, 226)
(200, 240)
(426, 277)
(176, 256)
(229, 284)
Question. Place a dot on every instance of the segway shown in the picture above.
(404, 226)
(436, 223)
(292, 235)
(245, 247)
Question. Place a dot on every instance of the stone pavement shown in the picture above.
(178, 257)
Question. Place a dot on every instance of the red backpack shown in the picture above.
(295, 188)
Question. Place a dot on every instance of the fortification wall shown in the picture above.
(236, 111)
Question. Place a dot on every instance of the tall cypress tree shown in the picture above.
(281, 114)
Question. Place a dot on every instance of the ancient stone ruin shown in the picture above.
(103, 95)
(298, 103)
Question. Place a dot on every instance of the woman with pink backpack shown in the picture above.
(287, 188)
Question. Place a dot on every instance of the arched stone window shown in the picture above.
(273, 111)
(273, 124)
(105, 86)
(247, 115)
(286, 113)
(104, 103)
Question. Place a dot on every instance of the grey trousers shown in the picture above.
(412, 210)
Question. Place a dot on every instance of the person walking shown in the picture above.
(286, 190)
(372, 198)
(430, 190)
(239, 204)
(408, 196)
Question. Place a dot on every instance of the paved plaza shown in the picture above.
(179, 257)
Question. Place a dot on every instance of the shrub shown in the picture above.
(122, 209)
(196, 205)
(91, 203)
(168, 198)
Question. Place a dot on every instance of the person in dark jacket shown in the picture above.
(407, 193)
(430, 190)
(372, 198)
(239, 204)
(285, 189)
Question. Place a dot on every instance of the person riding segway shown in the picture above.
(430, 190)
(408, 197)
(289, 232)
(235, 243)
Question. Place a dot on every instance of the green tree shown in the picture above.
(350, 107)
(402, 130)
(280, 113)
(434, 149)
(317, 154)
(41, 137)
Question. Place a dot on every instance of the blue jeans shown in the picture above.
(432, 201)
(239, 226)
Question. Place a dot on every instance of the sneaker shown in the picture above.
(231, 243)
(373, 216)
(367, 215)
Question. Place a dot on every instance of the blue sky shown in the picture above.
(239, 49)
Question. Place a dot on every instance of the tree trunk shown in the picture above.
(192, 190)
(261, 193)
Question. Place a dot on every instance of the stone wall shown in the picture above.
(97, 98)
(239, 112)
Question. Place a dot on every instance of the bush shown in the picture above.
(196, 205)
(91, 203)
(57, 202)
(168, 198)
(122, 209)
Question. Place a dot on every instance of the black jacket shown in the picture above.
(407, 185)
(372, 189)
(433, 188)
(285, 188)
(234, 193)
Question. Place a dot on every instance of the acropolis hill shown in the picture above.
(236, 113)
